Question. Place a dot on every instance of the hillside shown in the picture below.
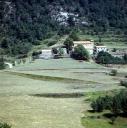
(24, 23)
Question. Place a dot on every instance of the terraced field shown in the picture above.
(50, 93)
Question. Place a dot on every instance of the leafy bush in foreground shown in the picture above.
(101, 103)
(116, 104)
(4, 125)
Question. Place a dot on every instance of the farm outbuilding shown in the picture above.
(46, 54)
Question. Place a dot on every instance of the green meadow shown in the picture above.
(52, 93)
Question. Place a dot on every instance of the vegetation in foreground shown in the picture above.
(4, 125)
(108, 110)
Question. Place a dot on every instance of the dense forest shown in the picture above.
(24, 22)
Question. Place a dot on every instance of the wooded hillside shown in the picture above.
(24, 22)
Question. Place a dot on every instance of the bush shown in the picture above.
(36, 53)
(2, 65)
(55, 51)
(125, 58)
(113, 119)
(97, 105)
(68, 44)
(74, 36)
(113, 72)
(101, 103)
(106, 58)
(123, 83)
(52, 42)
(4, 125)
(116, 104)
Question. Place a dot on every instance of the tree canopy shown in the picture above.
(69, 44)
(80, 53)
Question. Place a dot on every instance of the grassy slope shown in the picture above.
(21, 110)
(85, 73)
(25, 109)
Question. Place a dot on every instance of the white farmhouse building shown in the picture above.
(46, 54)
(88, 45)
(98, 49)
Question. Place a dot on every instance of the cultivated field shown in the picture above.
(49, 93)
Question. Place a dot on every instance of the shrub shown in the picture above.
(123, 83)
(52, 42)
(4, 125)
(98, 105)
(114, 50)
(55, 51)
(36, 53)
(106, 58)
(125, 58)
(113, 119)
(116, 104)
(68, 44)
(74, 36)
(2, 65)
(102, 103)
(113, 72)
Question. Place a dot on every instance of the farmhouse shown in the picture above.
(89, 45)
(46, 54)
(98, 49)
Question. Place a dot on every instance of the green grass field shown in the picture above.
(49, 93)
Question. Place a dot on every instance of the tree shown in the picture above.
(116, 104)
(103, 58)
(125, 58)
(113, 119)
(74, 36)
(98, 105)
(2, 65)
(80, 53)
(69, 44)
(61, 52)
(55, 51)
(71, 21)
